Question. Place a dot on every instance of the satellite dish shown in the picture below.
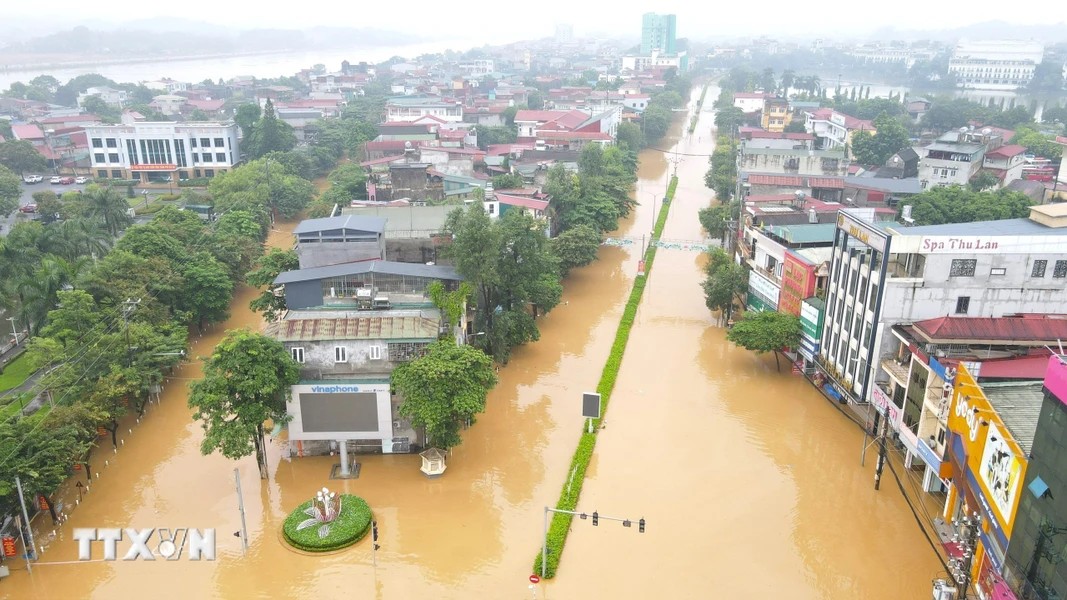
(987, 131)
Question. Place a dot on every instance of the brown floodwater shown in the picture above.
(749, 480)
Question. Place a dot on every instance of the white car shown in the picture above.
(82, 179)
(33, 179)
(55, 179)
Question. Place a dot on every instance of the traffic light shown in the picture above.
(374, 530)
(596, 518)
(641, 526)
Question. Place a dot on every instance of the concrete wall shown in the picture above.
(303, 294)
(337, 253)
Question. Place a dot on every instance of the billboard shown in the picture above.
(798, 282)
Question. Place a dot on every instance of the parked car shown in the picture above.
(55, 179)
(66, 180)
(28, 208)
(33, 179)
(82, 179)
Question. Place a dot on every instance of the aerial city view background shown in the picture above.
(567, 303)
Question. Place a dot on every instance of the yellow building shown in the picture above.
(991, 428)
(776, 115)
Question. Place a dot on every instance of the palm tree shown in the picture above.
(108, 206)
(788, 81)
(83, 239)
(37, 292)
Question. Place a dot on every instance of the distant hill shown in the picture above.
(182, 37)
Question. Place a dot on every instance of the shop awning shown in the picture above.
(1038, 488)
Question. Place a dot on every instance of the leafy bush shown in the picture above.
(568, 499)
(151, 209)
(195, 182)
(168, 197)
(348, 528)
(118, 182)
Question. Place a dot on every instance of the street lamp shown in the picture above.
(48, 133)
(13, 331)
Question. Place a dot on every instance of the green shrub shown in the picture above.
(195, 182)
(700, 104)
(568, 499)
(168, 197)
(151, 209)
(348, 528)
(117, 182)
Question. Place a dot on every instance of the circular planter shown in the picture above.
(348, 528)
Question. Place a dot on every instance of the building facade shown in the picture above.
(1035, 568)
(658, 33)
(159, 152)
(995, 64)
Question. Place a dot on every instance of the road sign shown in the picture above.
(591, 405)
(535, 579)
(9, 546)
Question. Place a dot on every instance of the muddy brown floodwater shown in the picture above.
(749, 480)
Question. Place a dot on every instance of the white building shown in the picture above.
(884, 274)
(957, 156)
(167, 85)
(410, 108)
(995, 64)
(750, 102)
(155, 151)
(107, 94)
(168, 104)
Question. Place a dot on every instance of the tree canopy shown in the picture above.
(20, 156)
(267, 269)
(443, 389)
(260, 185)
(269, 134)
(766, 331)
(246, 383)
(724, 281)
(889, 138)
(957, 204)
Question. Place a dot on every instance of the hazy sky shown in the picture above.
(527, 20)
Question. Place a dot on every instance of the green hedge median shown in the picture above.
(700, 104)
(568, 497)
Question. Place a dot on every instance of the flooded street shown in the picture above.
(749, 480)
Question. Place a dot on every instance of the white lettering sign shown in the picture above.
(334, 389)
(201, 543)
(965, 412)
(959, 244)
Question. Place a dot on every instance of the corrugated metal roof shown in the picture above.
(375, 266)
(1040, 329)
(1019, 406)
(356, 328)
(354, 222)
(1009, 227)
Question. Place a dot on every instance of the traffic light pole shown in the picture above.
(596, 522)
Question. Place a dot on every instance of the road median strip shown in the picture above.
(568, 498)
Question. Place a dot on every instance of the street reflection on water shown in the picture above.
(749, 480)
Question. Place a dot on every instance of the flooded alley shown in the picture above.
(749, 480)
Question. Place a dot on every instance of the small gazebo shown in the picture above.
(433, 463)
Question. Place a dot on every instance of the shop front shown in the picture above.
(762, 293)
(156, 173)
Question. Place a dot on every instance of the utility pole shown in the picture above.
(27, 540)
(881, 453)
(596, 522)
(966, 536)
(241, 507)
(127, 309)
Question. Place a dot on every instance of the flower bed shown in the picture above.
(352, 523)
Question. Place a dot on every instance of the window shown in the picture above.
(196, 172)
(98, 143)
(940, 436)
(205, 157)
(220, 157)
(112, 143)
(117, 174)
(340, 354)
(209, 172)
(997, 271)
(196, 157)
(962, 304)
(113, 157)
(205, 142)
(963, 267)
(131, 151)
(192, 142)
(375, 352)
(99, 157)
(220, 143)
(179, 152)
(1039, 268)
(298, 354)
(102, 173)
(1059, 270)
(492, 208)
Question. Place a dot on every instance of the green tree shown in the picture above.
(891, 137)
(95, 105)
(246, 116)
(490, 135)
(508, 181)
(452, 303)
(347, 183)
(984, 180)
(1038, 143)
(267, 268)
(107, 206)
(534, 100)
(207, 289)
(443, 389)
(576, 247)
(727, 120)
(20, 156)
(269, 134)
(655, 120)
(40, 456)
(724, 281)
(714, 218)
(260, 185)
(796, 126)
(629, 136)
(10, 191)
(246, 382)
(721, 176)
(766, 331)
(946, 113)
(956, 204)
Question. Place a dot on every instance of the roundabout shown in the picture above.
(328, 522)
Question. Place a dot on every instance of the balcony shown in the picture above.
(896, 370)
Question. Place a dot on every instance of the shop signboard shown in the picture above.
(885, 407)
(862, 231)
(811, 320)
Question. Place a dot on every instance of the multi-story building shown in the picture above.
(109, 95)
(995, 64)
(788, 153)
(411, 108)
(348, 326)
(955, 157)
(833, 129)
(1035, 568)
(884, 274)
(1006, 163)
(155, 152)
(776, 114)
(750, 102)
(658, 33)
(991, 435)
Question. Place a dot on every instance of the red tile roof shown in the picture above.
(501, 149)
(452, 134)
(27, 132)
(826, 182)
(1035, 328)
(1029, 367)
(380, 161)
(573, 135)
(520, 192)
(764, 198)
(1007, 151)
(206, 105)
(790, 180)
(391, 144)
(521, 201)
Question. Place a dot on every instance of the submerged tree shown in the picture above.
(766, 331)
